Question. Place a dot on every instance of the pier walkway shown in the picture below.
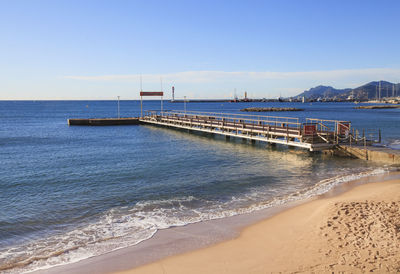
(312, 134)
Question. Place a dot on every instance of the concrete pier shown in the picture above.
(369, 153)
(103, 121)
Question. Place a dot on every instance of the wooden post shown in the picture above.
(380, 136)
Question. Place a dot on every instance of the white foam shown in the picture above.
(395, 144)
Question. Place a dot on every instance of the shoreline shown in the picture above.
(354, 231)
(176, 241)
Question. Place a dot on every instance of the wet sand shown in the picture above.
(355, 231)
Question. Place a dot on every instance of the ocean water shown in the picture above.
(69, 193)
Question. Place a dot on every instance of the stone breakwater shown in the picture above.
(104, 121)
(254, 109)
(378, 107)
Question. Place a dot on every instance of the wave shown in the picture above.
(394, 144)
(127, 226)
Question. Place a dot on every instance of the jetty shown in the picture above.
(104, 121)
(378, 107)
(256, 109)
(312, 134)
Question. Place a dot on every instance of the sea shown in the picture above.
(72, 192)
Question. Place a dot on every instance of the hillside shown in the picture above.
(364, 92)
(322, 92)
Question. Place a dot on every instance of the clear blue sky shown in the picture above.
(98, 49)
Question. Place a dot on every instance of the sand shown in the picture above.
(356, 231)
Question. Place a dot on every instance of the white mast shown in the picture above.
(379, 90)
(141, 98)
(118, 107)
(393, 90)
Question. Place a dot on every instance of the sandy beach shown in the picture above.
(356, 231)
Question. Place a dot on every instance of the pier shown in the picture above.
(330, 136)
(312, 134)
(103, 121)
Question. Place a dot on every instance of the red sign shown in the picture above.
(343, 128)
(310, 129)
(151, 93)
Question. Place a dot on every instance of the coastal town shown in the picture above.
(373, 92)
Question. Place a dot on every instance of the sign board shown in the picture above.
(151, 93)
(343, 128)
(310, 129)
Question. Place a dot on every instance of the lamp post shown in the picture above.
(118, 107)
(184, 103)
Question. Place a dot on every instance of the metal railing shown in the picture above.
(272, 120)
(322, 130)
(267, 126)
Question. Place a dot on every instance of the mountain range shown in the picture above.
(368, 91)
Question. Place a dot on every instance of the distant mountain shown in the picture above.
(322, 92)
(364, 92)
(371, 90)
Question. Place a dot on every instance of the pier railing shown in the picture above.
(365, 137)
(239, 118)
(310, 133)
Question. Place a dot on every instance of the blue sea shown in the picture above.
(68, 193)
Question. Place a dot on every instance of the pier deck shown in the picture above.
(313, 134)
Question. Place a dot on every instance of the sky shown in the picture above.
(206, 49)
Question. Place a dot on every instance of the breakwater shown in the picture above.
(378, 107)
(103, 122)
(254, 109)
